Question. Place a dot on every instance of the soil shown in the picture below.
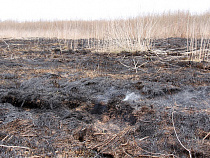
(61, 102)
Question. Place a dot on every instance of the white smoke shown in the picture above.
(131, 97)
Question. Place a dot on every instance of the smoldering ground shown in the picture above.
(84, 104)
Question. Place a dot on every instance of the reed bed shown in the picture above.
(133, 34)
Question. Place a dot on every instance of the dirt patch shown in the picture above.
(80, 104)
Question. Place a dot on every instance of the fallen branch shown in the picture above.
(6, 44)
(135, 65)
(129, 155)
(5, 138)
(8, 47)
(143, 138)
(178, 137)
(206, 136)
(100, 134)
(22, 147)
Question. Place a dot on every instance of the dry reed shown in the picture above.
(134, 34)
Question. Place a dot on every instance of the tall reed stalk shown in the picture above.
(133, 34)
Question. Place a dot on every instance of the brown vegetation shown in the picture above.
(60, 96)
(132, 34)
(166, 25)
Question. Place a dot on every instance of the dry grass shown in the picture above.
(134, 34)
(180, 24)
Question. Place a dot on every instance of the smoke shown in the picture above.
(131, 97)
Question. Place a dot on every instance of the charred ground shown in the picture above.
(61, 102)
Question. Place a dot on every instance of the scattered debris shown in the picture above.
(75, 103)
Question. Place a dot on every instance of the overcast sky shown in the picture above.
(32, 10)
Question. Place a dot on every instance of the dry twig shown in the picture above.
(22, 147)
(135, 66)
(178, 137)
(206, 136)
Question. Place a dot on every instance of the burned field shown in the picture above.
(61, 102)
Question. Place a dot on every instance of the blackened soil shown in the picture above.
(73, 103)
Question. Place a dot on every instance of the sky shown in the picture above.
(35, 10)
